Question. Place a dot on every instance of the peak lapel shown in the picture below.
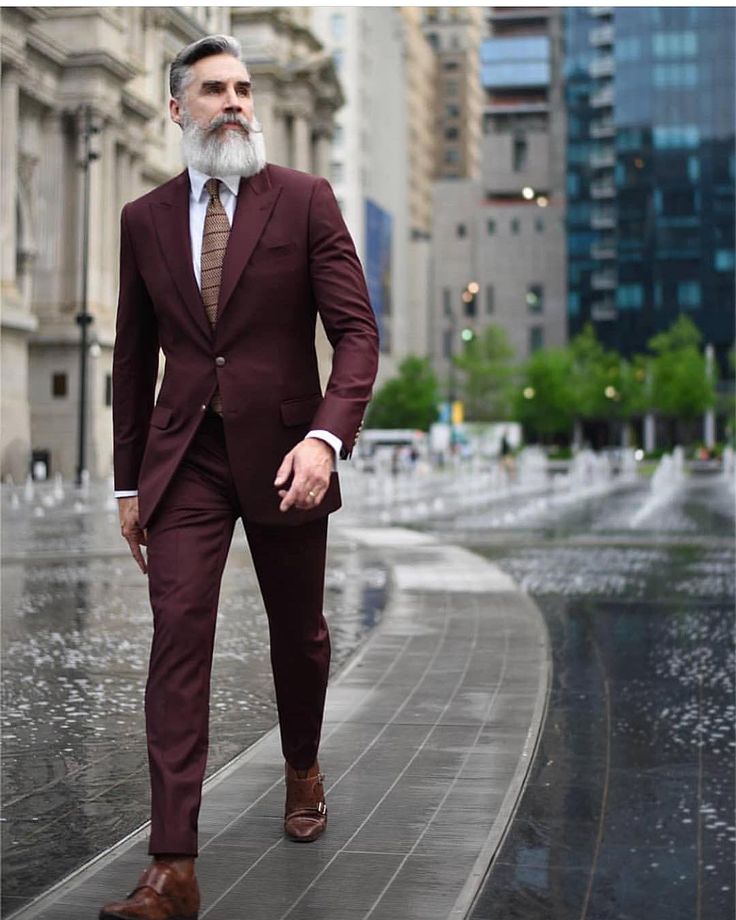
(171, 220)
(256, 200)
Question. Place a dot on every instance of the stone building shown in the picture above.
(499, 241)
(63, 66)
(454, 32)
(382, 160)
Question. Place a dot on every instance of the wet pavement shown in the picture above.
(76, 632)
(629, 809)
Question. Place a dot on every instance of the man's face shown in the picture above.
(220, 85)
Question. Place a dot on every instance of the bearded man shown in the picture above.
(224, 269)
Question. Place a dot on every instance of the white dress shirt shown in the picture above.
(198, 201)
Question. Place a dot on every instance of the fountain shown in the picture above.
(667, 481)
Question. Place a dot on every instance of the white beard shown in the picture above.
(235, 153)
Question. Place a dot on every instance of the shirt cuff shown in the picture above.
(329, 438)
(125, 493)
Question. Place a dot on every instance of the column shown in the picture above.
(9, 175)
(301, 143)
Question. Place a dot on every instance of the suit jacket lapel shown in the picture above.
(171, 220)
(256, 199)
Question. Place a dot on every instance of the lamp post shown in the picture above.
(83, 318)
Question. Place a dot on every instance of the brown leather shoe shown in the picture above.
(164, 892)
(306, 810)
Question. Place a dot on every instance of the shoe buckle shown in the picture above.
(322, 808)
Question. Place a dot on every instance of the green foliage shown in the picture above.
(681, 387)
(407, 401)
(487, 372)
(545, 403)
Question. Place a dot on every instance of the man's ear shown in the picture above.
(175, 111)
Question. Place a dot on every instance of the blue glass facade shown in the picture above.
(651, 172)
(515, 61)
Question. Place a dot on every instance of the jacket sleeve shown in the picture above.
(134, 366)
(342, 300)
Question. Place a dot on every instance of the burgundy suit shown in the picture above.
(288, 257)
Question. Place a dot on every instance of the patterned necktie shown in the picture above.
(214, 243)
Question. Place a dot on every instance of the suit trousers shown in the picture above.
(188, 541)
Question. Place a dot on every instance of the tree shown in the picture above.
(545, 403)
(407, 401)
(487, 376)
(681, 386)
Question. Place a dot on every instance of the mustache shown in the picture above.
(233, 118)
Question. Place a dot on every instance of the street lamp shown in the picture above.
(83, 318)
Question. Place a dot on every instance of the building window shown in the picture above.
(667, 137)
(491, 227)
(519, 153)
(338, 137)
(675, 44)
(539, 224)
(536, 338)
(433, 40)
(451, 134)
(446, 302)
(490, 299)
(337, 171)
(535, 298)
(450, 65)
(337, 26)
(675, 75)
(470, 303)
(108, 389)
(515, 225)
(452, 110)
(629, 296)
(573, 303)
(628, 49)
(461, 230)
(688, 294)
(337, 59)
(452, 155)
(724, 260)
(451, 88)
(59, 384)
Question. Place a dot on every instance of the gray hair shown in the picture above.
(180, 73)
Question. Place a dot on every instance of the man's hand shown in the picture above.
(310, 465)
(131, 529)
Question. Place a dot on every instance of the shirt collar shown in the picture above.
(197, 181)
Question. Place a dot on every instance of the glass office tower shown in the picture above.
(650, 172)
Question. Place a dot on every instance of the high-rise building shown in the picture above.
(504, 233)
(381, 161)
(454, 32)
(650, 175)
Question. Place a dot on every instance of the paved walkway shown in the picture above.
(429, 733)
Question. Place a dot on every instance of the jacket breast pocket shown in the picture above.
(299, 411)
(269, 252)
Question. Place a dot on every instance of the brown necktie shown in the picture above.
(214, 243)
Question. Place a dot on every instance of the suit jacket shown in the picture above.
(289, 256)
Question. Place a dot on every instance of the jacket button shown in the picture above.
(219, 361)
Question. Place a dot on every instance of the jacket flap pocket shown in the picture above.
(299, 411)
(161, 416)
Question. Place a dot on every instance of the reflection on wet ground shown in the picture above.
(629, 812)
(76, 634)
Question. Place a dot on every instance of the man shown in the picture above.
(225, 268)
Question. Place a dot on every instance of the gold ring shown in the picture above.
(311, 494)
